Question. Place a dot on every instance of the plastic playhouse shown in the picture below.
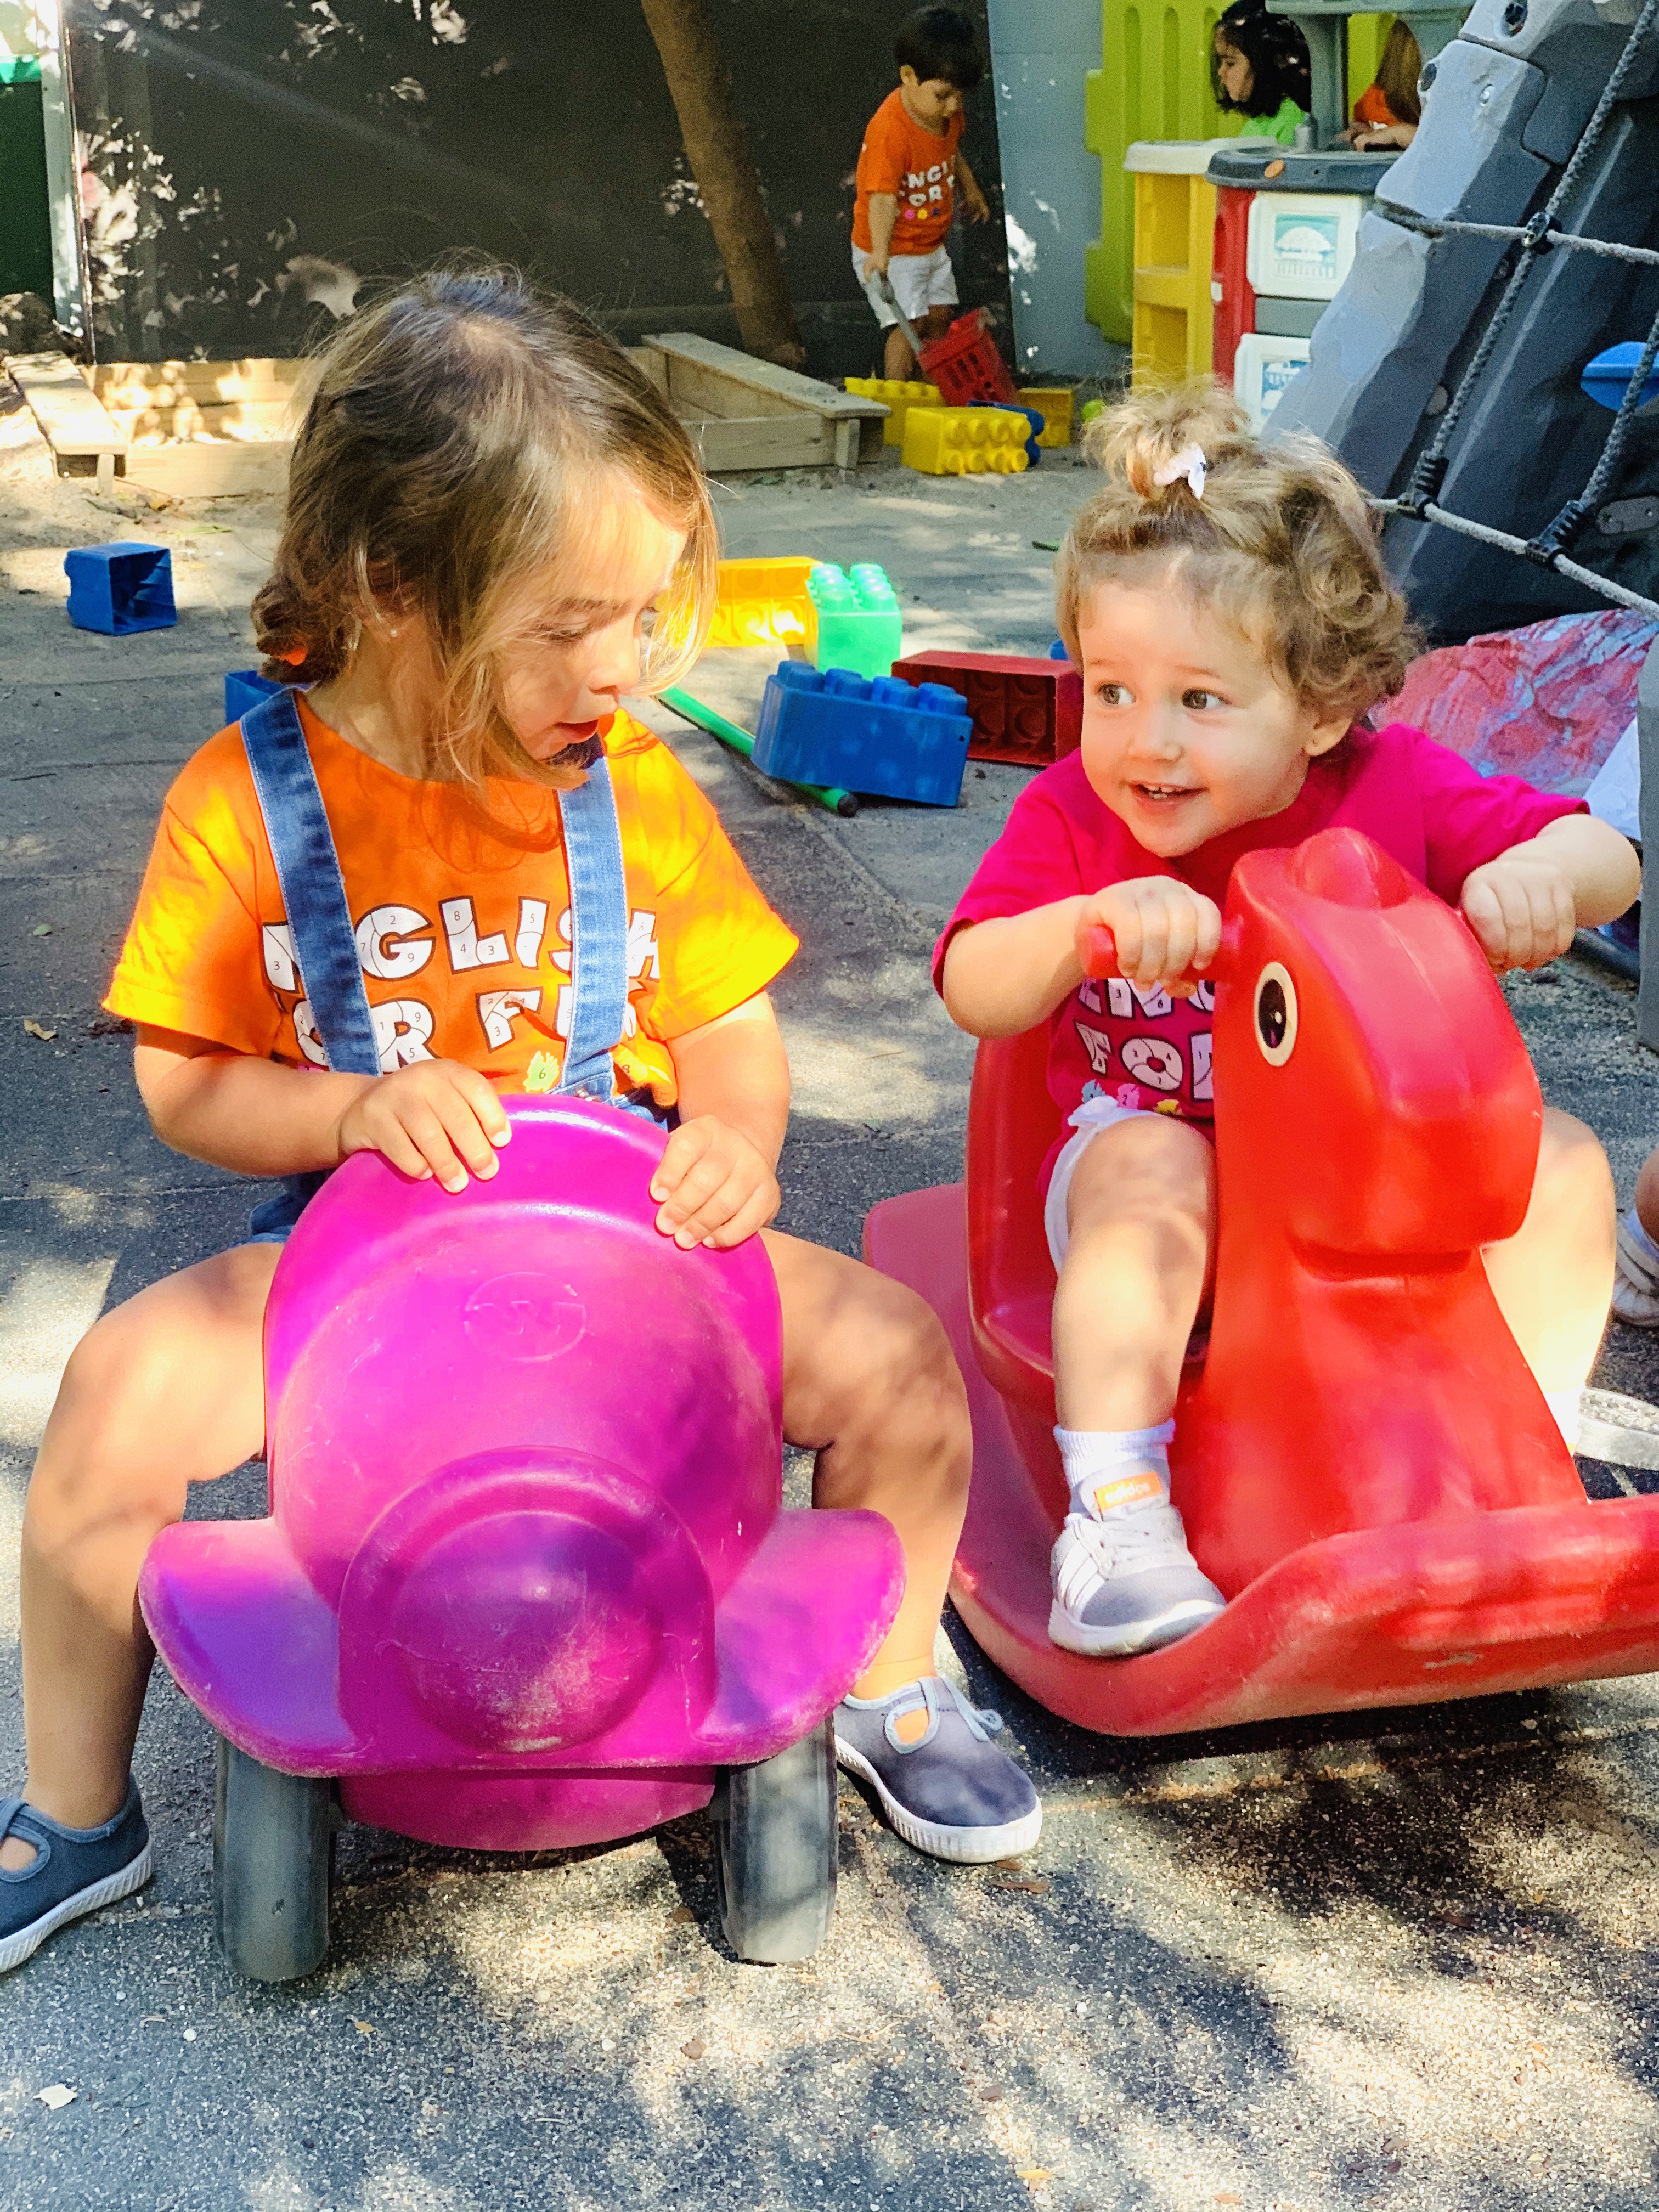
(521, 1587)
(1418, 1530)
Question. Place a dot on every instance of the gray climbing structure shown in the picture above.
(1514, 241)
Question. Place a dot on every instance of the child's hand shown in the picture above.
(1522, 909)
(1151, 930)
(974, 205)
(714, 1186)
(435, 1118)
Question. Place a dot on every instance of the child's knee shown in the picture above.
(1573, 1174)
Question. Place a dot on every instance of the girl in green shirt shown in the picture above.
(1259, 68)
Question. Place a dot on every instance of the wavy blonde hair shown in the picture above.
(457, 449)
(1281, 545)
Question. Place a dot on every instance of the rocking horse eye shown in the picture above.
(1275, 1014)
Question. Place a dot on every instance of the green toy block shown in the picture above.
(860, 625)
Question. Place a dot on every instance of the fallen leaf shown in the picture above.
(992, 2093)
(365, 2027)
(35, 1029)
(1227, 2197)
(1033, 2175)
(695, 2048)
(682, 1913)
(1034, 1885)
(42, 929)
(108, 1025)
(57, 2097)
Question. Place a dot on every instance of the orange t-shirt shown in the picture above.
(462, 920)
(898, 156)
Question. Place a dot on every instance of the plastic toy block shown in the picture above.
(120, 588)
(244, 689)
(1606, 379)
(764, 602)
(962, 441)
(898, 398)
(1033, 420)
(1025, 709)
(858, 623)
(894, 740)
(1053, 402)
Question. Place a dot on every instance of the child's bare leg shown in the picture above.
(899, 364)
(870, 1384)
(166, 1390)
(1141, 1210)
(1553, 1279)
(1139, 1213)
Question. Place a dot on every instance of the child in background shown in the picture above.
(1259, 67)
(909, 170)
(1386, 113)
(1234, 627)
(487, 506)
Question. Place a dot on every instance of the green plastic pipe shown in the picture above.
(693, 710)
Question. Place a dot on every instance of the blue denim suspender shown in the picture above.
(324, 945)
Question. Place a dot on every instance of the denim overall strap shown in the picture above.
(598, 935)
(321, 937)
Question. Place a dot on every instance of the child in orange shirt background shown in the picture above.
(910, 169)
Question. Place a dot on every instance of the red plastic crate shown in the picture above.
(1230, 290)
(966, 366)
(1026, 710)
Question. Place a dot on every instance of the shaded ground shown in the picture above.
(1396, 1960)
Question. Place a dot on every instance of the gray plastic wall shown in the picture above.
(1502, 116)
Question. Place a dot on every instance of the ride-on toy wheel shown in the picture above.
(776, 1838)
(273, 1850)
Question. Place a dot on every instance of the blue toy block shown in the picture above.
(1059, 650)
(1606, 379)
(876, 734)
(120, 588)
(246, 687)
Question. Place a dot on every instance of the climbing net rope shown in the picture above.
(1542, 233)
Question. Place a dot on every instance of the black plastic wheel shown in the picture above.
(273, 1849)
(774, 1851)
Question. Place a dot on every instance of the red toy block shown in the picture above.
(1025, 709)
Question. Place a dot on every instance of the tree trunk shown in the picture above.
(717, 147)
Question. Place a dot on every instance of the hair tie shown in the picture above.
(1190, 463)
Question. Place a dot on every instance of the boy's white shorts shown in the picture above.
(921, 281)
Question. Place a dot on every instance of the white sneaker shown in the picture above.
(1127, 1583)
(1636, 1277)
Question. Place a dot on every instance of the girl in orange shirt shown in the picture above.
(489, 509)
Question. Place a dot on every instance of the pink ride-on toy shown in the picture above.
(526, 1581)
(1365, 1466)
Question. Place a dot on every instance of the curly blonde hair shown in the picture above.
(1280, 544)
(464, 447)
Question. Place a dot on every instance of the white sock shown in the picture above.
(1110, 1470)
(1638, 1255)
(1567, 1409)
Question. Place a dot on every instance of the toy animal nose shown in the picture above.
(525, 1631)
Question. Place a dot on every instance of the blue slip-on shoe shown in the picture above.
(74, 1871)
(951, 1793)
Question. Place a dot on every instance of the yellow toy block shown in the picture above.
(965, 441)
(764, 602)
(898, 398)
(1054, 403)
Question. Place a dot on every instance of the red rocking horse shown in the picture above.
(1365, 1466)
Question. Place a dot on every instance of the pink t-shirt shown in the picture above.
(1436, 815)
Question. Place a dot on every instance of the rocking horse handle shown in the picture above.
(1098, 949)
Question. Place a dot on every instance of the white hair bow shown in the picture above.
(1190, 463)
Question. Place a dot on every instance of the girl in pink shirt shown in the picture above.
(1235, 628)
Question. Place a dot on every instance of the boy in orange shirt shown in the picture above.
(909, 174)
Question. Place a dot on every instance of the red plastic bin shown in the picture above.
(966, 366)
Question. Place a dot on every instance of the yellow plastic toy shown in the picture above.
(898, 398)
(765, 602)
(1054, 403)
(965, 441)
